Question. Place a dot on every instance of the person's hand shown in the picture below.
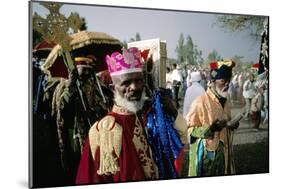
(233, 126)
(218, 125)
(169, 104)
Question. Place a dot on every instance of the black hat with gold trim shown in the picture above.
(221, 69)
(87, 62)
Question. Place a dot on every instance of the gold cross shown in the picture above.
(56, 26)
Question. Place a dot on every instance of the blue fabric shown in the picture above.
(200, 153)
(162, 137)
(211, 155)
(200, 157)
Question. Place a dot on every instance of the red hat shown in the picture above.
(255, 66)
(213, 65)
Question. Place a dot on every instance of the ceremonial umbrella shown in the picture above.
(83, 43)
(42, 49)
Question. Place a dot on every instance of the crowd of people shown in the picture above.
(245, 89)
(123, 134)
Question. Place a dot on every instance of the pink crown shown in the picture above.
(128, 62)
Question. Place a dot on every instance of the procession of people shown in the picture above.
(117, 140)
(106, 112)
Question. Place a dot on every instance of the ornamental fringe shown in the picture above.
(58, 103)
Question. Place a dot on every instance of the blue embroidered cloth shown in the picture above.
(162, 137)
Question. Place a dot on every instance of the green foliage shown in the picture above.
(136, 38)
(125, 44)
(171, 61)
(180, 49)
(213, 56)
(198, 55)
(75, 19)
(189, 49)
(188, 52)
(36, 38)
(84, 24)
(238, 63)
(234, 23)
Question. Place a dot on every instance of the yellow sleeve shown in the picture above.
(181, 127)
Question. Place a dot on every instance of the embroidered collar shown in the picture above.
(121, 110)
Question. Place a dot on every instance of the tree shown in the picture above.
(138, 37)
(213, 56)
(76, 20)
(125, 44)
(36, 37)
(239, 62)
(170, 61)
(180, 49)
(198, 55)
(235, 23)
(190, 53)
(84, 24)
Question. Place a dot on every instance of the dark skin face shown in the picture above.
(85, 73)
(222, 83)
(129, 85)
(251, 78)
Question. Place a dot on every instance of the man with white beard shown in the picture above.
(209, 132)
(118, 149)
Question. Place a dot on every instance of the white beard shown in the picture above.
(222, 92)
(131, 106)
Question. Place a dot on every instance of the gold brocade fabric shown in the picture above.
(121, 111)
(107, 135)
(142, 148)
(203, 112)
(144, 152)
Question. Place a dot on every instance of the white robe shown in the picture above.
(195, 90)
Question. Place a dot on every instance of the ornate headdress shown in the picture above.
(129, 61)
(221, 69)
(87, 62)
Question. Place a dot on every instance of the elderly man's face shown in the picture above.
(222, 87)
(222, 83)
(85, 73)
(130, 86)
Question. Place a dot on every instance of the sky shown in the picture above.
(124, 23)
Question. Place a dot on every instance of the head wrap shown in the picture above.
(195, 76)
